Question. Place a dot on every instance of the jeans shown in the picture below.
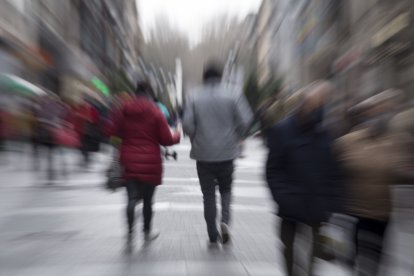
(212, 174)
(138, 191)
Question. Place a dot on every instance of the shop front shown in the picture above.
(18, 58)
(72, 73)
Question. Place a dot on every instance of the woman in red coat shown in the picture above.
(142, 128)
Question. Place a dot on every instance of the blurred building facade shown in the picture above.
(64, 45)
(363, 46)
(17, 40)
(239, 56)
(376, 48)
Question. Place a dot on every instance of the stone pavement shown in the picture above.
(74, 227)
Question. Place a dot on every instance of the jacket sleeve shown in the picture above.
(189, 124)
(401, 159)
(275, 166)
(243, 116)
(165, 136)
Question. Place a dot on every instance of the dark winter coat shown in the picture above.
(302, 172)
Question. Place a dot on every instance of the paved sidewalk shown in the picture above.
(74, 227)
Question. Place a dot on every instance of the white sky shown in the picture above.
(190, 15)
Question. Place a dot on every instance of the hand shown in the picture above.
(179, 128)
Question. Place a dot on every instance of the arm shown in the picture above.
(165, 137)
(189, 124)
(275, 166)
(243, 116)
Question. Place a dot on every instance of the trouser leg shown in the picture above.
(208, 188)
(287, 235)
(134, 196)
(148, 194)
(369, 245)
(317, 248)
(225, 179)
(50, 162)
(35, 155)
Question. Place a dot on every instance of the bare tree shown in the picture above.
(165, 44)
(219, 37)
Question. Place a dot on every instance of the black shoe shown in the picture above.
(214, 242)
(225, 233)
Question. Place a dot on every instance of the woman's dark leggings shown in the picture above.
(138, 191)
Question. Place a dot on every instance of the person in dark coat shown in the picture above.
(46, 116)
(302, 171)
(143, 128)
(87, 127)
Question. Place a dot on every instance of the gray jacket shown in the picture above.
(216, 120)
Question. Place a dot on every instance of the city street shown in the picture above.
(301, 73)
(75, 227)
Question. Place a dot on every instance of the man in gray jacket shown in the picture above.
(216, 120)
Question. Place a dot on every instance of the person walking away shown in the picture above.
(370, 158)
(45, 119)
(87, 127)
(303, 173)
(216, 122)
(66, 136)
(142, 128)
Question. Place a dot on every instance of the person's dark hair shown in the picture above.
(144, 88)
(212, 71)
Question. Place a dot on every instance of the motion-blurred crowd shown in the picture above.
(47, 122)
(321, 164)
(50, 123)
(325, 169)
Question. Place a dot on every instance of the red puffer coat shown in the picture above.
(142, 128)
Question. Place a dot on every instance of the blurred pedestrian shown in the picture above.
(302, 171)
(370, 158)
(216, 123)
(44, 121)
(66, 138)
(87, 126)
(142, 128)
